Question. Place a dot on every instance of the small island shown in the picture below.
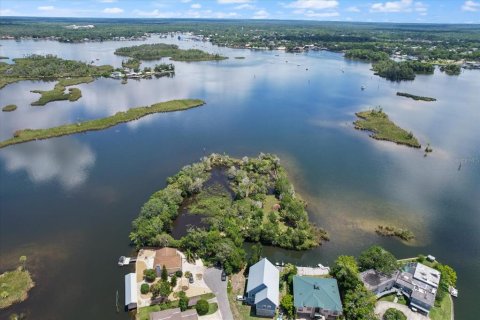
(238, 200)
(26, 135)
(414, 97)
(377, 121)
(9, 108)
(451, 69)
(161, 50)
(15, 284)
(403, 70)
(392, 231)
(58, 92)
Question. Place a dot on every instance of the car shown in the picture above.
(240, 298)
(190, 279)
(224, 275)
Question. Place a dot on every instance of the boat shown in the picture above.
(363, 88)
(123, 261)
(453, 291)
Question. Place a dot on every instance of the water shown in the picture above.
(67, 203)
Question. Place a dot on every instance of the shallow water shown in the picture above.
(67, 203)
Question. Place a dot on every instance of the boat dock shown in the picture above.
(319, 270)
(125, 261)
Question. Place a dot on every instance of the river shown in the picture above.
(67, 203)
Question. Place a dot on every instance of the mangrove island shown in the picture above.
(15, 284)
(26, 135)
(161, 50)
(9, 108)
(383, 128)
(414, 97)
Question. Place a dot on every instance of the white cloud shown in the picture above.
(245, 6)
(471, 6)
(353, 9)
(233, 1)
(420, 7)
(260, 14)
(6, 12)
(314, 14)
(46, 8)
(196, 6)
(112, 10)
(187, 14)
(392, 6)
(313, 4)
(185, 1)
(108, 1)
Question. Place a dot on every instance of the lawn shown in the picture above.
(212, 308)
(391, 297)
(14, 287)
(443, 311)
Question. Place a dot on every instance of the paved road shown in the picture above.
(382, 306)
(212, 277)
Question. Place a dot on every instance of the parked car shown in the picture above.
(224, 275)
(190, 279)
(240, 298)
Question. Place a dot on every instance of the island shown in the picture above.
(377, 121)
(414, 97)
(9, 108)
(238, 200)
(451, 69)
(161, 50)
(392, 231)
(403, 70)
(15, 284)
(26, 135)
(58, 92)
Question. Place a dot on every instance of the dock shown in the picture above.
(125, 261)
(319, 270)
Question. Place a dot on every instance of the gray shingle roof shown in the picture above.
(264, 274)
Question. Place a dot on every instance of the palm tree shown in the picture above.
(190, 256)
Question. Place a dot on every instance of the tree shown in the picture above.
(161, 288)
(256, 253)
(183, 301)
(164, 274)
(393, 314)
(150, 275)
(379, 259)
(173, 281)
(23, 262)
(202, 307)
(187, 274)
(448, 277)
(345, 270)
(144, 288)
(287, 305)
(359, 304)
(179, 273)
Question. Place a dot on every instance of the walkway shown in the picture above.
(382, 306)
(213, 279)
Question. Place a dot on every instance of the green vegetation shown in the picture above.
(164, 67)
(366, 55)
(160, 50)
(451, 69)
(144, 313)
(442, 309)
(391, 297)
(9, 108)
(377, 121)
(212, 308)
(37, 67)
(392, 231)
(239, 58)
(132, 64)
(145, 288)
(404, 70)
(58, 92)
(378, 259)
(182, 301)
(26, 135)
(150, 275)
(202, 307)
(14, 285)
(230, 220)
(394, 314)
(287, 305)
(414, 97)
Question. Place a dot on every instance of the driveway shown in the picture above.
(213, 279)
(382, 306)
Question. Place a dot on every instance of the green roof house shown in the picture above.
(317, 298)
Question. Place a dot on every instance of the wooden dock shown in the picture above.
(310, 271)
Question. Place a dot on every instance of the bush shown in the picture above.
(202, 307)
(179, 273)
(182, 301)
(150, 275)
(394, 314)
(145, 288)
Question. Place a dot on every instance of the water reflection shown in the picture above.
(65, 160)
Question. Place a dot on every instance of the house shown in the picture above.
(174, 314)
(130, 292)
(378, 282)
(317, 298)
(168, 257)
(263, 288)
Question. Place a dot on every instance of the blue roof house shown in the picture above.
(263, 288)
(316, 298)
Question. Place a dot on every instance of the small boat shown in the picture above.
(362, 87)
(453, 291)
(123, 261)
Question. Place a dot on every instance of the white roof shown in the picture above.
(130, 289)
(427, 275)
(265, 275)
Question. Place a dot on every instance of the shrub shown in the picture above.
(202, 307)
(394, 314)
(179, 273)
(150, 275)
(145, 288)
(182, 301)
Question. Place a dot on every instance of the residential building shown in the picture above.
(263, 288)
(168, 257)
(378, 282)
(174, 314)
(317, 298)
(130, 292)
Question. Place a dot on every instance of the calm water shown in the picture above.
(67, 203)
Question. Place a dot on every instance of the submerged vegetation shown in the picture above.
(49, 67)
(58, 92)
(383, 128)
(414, 97)
(15, 284)
(26, 135)
(9, 108)
(234, 213)
(392, 231)
(161, 50)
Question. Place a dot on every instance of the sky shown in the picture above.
(425, 11)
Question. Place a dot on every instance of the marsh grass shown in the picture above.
(14, 286)
(9, 108)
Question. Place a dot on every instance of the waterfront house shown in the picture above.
(263, 288)
(377, 282)
(174, 314)
(317, 298)
(168, 257)
(130, 292)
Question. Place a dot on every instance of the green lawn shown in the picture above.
(14, 287)
(443, 311)
(391, 297)
(212, 308)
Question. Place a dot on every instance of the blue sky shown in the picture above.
(433, 11)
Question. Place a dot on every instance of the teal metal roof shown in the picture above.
(317, 293)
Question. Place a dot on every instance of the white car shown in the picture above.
(240, 298)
